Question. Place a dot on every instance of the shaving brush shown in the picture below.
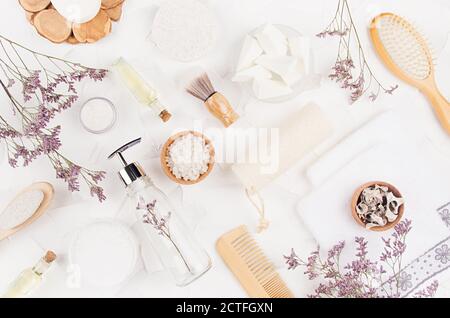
(215, 102)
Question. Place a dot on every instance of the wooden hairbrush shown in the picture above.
(251, 267)
(406, 53)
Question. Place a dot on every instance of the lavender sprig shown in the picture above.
(362, 277)
(40, 87)
(159, 223)
(343, 27)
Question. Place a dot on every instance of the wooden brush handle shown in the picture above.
(441, 106)
(219, 106)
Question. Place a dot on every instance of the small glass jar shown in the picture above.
(98, 115)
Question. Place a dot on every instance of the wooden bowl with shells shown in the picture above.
(377, 206)
(92, 22)
(165, 158)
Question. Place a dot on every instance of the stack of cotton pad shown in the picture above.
(273, 60)
(104, 253)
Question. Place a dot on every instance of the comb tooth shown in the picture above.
(258, 263)
(240, 240)
(272, 285)
(263, 270)
(252, 255)
(245, 246)
(276, 288)
(254, 258)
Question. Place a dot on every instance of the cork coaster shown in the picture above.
(55, 28)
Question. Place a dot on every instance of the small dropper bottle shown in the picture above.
(30, 278)
(144, 93)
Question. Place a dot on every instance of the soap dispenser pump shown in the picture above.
(175, 245)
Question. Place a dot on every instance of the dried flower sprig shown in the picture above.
(362, 277)
(159, 223)
(39, 87)
(343, 27)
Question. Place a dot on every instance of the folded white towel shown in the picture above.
(414, 166)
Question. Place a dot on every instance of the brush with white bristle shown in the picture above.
(217, 104)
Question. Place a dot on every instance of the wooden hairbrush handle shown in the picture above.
(440, 105)
(220, 107)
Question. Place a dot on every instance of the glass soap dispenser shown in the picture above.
(173, 242)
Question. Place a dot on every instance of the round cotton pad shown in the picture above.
(78, 11)
(184, 30)
(105, 253)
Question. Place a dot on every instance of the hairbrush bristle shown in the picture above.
(201, 87)
(407, 47)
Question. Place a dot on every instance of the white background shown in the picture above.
(219, 203)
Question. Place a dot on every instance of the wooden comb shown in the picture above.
(406, 53)
(251, 267)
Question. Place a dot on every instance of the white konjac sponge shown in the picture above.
(189, 157)
(184, 30)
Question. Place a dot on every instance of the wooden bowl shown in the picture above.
(355, 200)
(165, 154)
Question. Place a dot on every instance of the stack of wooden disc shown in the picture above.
(54, 27)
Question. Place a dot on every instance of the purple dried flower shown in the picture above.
(428, 292)
(98, 192)
(150, 216)
(342, 26)
(361, 278)
(43, 94)
(292, 260)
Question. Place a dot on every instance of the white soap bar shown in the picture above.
(299, 46)
(280, 65)
(272, 40)
(249, 53)
(78, 11)
(296, 74)
(254, 72)
(268, 88)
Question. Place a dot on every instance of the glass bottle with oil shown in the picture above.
(142, 91)
(30, 278)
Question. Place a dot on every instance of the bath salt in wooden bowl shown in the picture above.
(188, 157)
(377, 206)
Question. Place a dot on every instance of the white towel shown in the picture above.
(414, 166)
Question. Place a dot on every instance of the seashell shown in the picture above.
(371, 225)
(391, 216)
(379, 220)
(362, 209)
